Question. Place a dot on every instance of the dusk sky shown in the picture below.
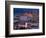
(24, 10)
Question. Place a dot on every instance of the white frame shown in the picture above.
(28, 30)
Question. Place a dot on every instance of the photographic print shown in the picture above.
(24, 18)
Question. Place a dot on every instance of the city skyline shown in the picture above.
(26, 18)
